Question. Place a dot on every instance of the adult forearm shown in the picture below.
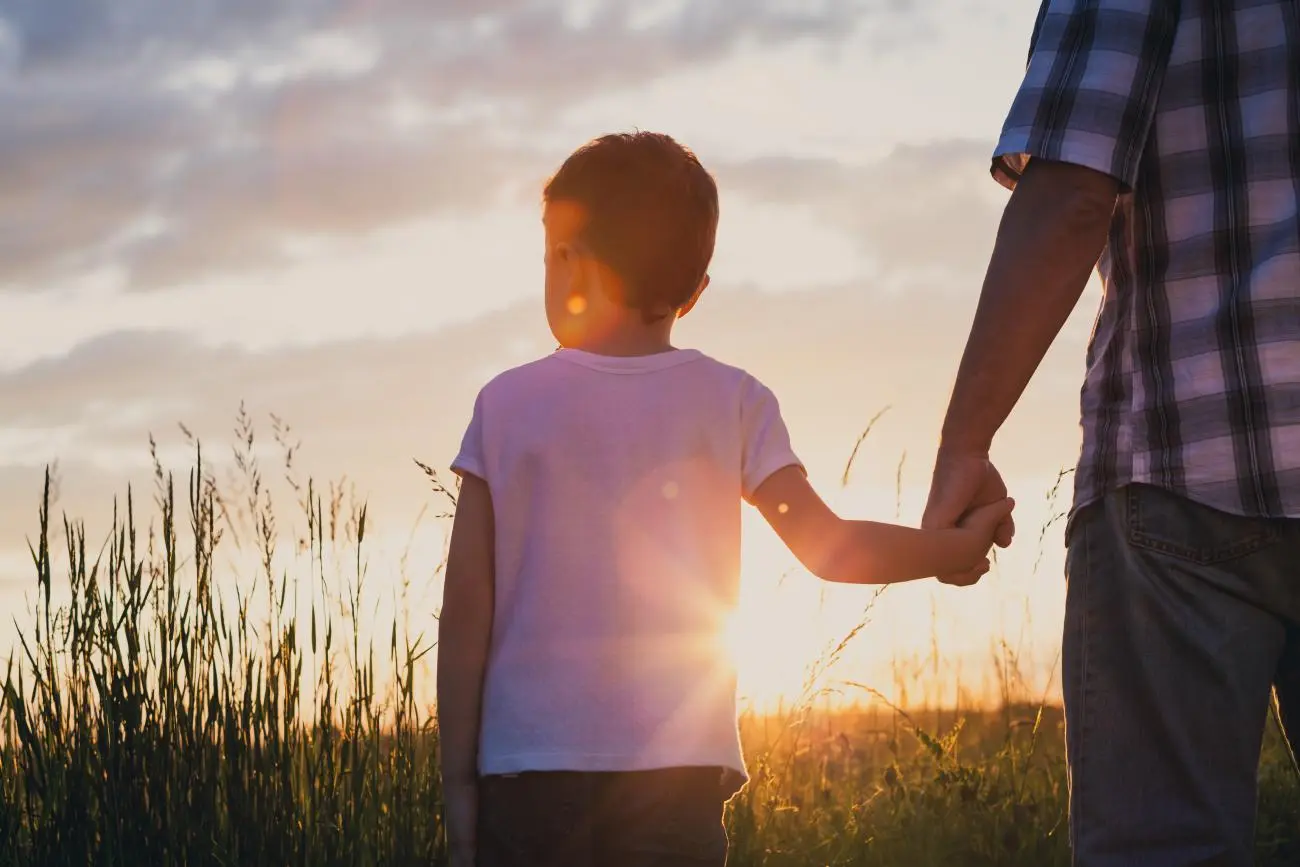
(1051, 235)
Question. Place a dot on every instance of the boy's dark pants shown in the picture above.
(1179, 622)
(660, 818)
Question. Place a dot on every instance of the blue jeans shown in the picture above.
(1180, 622)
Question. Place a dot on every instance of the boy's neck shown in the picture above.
(630, 341)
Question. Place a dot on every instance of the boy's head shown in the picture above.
(630, 221)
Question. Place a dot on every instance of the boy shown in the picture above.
(586, 706)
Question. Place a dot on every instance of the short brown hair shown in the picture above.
(652, 214)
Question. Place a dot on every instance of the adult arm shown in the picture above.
(1051, 235)
(1075, 137)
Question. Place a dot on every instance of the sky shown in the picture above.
(327, 211)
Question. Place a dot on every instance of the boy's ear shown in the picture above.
(564, 254)
(689, 305)
(567, 260)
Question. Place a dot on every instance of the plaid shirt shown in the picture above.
(1193, 371)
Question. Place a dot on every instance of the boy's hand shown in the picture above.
(982, 525)
(461, 816)
(986, 520)
(964, 481)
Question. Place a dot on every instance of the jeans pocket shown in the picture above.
(1167, 523)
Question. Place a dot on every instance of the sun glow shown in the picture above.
(770, 671)
(779, 629)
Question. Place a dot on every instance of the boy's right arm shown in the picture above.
(867, 552)
(464, 632)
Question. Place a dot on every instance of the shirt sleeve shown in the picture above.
(767, 442)
(1090, 89)
(472, 460)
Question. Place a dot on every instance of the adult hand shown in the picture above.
(964, 481)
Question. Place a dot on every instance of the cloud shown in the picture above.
(932, 203)
(165, 141)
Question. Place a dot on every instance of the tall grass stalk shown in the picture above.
(159, 717)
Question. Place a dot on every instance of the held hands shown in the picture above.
(982, 524)
(967, 491)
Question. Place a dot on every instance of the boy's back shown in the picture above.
(586, 703)
(616, 485)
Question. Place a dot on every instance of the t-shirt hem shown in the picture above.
(520, 763)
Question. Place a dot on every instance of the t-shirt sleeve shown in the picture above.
(472, 460)
(767, 441)
(1090, 89)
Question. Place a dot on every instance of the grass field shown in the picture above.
(162, 712)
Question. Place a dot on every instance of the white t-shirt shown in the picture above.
(617, 486)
